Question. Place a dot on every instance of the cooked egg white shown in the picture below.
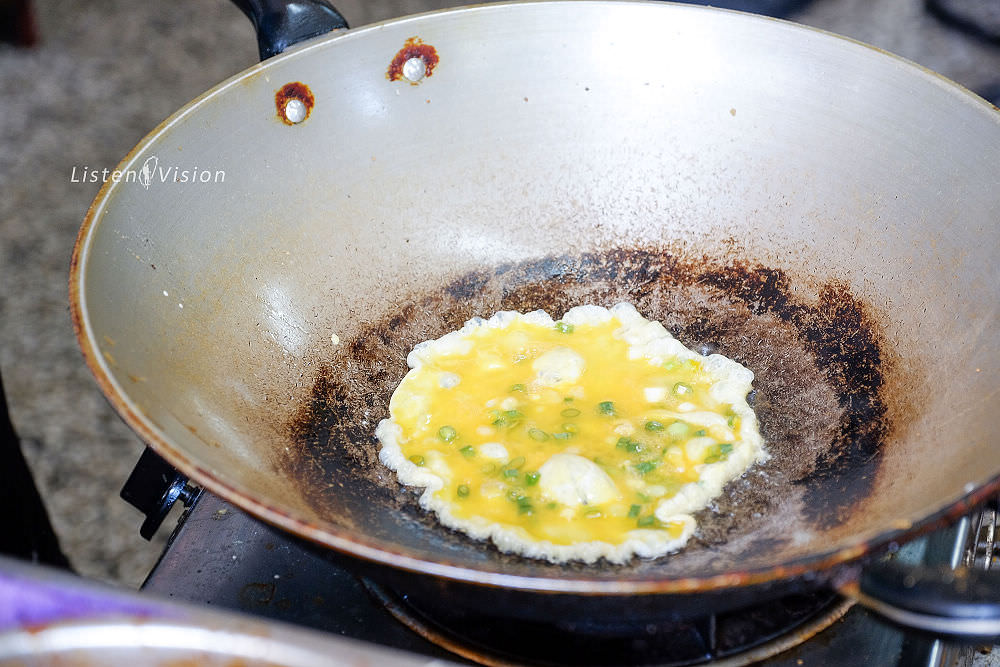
(596, 436)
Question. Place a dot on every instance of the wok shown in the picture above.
(821, 211)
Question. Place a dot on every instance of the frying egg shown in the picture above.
(595, 436)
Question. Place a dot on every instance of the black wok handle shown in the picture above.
(282, 23)
(963, 603)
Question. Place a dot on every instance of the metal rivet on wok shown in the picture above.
(295, 110)
(414, 69)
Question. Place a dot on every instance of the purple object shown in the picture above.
(34, 595)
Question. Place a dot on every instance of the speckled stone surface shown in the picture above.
(106, 73)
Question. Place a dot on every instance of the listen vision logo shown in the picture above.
(149, 173)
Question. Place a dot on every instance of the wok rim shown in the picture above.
(356, 544)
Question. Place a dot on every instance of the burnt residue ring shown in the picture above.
(825, 398)
(413, 62)
(294, 102)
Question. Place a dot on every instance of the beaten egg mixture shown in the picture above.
(594, 436)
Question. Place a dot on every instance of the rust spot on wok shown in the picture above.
(412, 48)
(295, 90)
(816, 351)
(257, 594)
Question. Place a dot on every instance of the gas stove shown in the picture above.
(220, 557)
(306, 607)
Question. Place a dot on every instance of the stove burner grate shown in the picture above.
(736, 638)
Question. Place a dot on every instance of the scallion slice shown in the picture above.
(645, 466)
(678, 430)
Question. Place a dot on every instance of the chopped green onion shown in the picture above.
(646, 521)
(553, 506)
(606, 408)
(447, 433)
(516, 463)
(510, 472)
(563, 327)
(682, 389)
(645, 466)
(678, 430)
(531, 478)
(516, 387)
(509, 418)
(523, 502)
(562, 436)
(633, 511)
(731, 420)
(570, 412)
(592, 514)
(488, 469)
(418, 460)
(538, 434)
(654, 426)
(719, 452)
(568, 399)
(699, 433)
(468, 451)
(629, 445)
(463, 491)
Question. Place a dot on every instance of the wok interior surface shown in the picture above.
(819, 394)
(817, 210)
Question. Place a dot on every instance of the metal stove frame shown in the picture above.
(221, 557)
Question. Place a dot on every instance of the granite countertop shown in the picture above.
(106, 73)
